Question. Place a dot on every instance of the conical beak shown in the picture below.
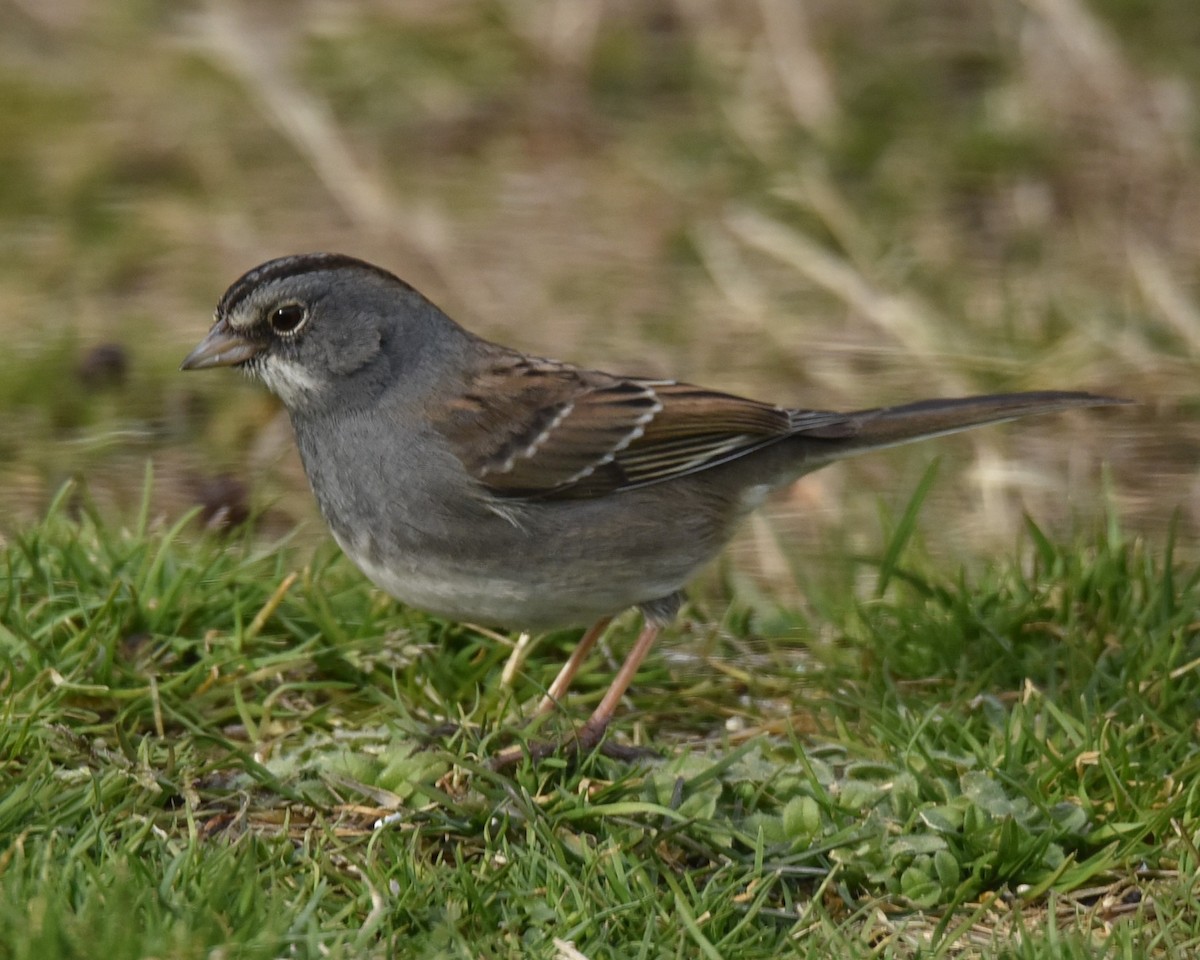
(221, 348)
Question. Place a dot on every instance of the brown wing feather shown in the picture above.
(690, 411)
(535, 428)
(528, 426)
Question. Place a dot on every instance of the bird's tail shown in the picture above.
(888, 426)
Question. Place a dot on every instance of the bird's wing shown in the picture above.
(530, 428)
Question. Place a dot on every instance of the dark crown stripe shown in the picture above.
(295, 266)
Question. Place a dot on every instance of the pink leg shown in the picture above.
(592, 731)
(562, 683)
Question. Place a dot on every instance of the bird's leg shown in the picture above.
(658, 613)
(554, 696)
(562, 683)
(592, 732)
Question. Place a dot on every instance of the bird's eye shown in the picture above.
(287, 318)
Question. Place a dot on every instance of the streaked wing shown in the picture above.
(529, 427)
(532, 428)
(696, 429)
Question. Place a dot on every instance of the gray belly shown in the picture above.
(535, 599)
(541, 575)
(421, 532)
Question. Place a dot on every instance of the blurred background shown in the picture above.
(827, 203)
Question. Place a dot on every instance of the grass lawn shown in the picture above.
(212, 750)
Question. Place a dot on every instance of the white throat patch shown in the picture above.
(287, 380)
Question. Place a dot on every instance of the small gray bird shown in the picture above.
(481, 484)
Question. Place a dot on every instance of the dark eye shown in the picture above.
(287, 319)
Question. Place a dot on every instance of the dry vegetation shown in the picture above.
(833, 203)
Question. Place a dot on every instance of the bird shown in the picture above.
(481, 484)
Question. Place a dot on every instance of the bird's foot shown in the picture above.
(589, 737)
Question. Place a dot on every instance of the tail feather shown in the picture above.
(888, 426)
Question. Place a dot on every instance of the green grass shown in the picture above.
(197, 745)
